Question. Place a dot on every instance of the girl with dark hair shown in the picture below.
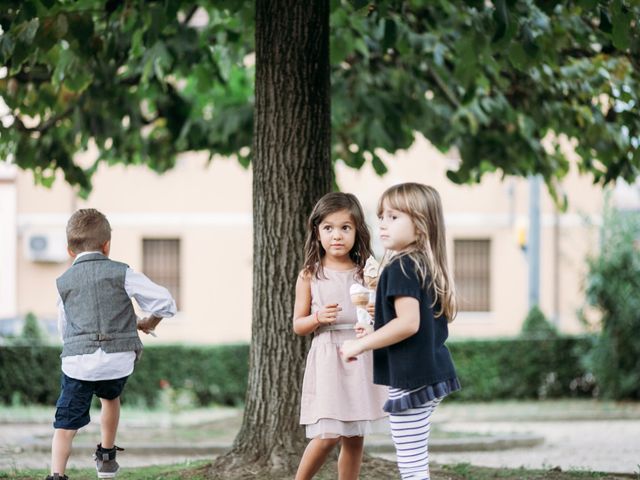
(339, 404)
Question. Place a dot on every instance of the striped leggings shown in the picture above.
(410, 431)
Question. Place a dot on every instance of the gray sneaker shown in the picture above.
(106, 464)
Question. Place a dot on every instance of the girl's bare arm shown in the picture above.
(304, 323)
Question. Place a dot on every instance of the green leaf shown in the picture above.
(525, 125)
(621, 25)
(529, 42)
(588, 4)
(27, 31)
(465, 116)
(605, 20)
(46, 37)
(71, 72)
(20, 53)
(339, 50)
(466, 67)
(61, 26)
(7, 44)
(501, 17)
(81, 27)
(78, 79)
(518, 57)
(378, 165)
(390, 33)
(155, 20)
(29, 9)
(358, 4)
(455, 177)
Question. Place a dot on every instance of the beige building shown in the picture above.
(190, 229)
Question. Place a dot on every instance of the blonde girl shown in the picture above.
(340, 404)
(415, 301)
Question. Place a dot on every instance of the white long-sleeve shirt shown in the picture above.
(100, 365)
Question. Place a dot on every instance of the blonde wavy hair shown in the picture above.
(429, 252)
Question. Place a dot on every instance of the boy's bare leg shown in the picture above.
(61, 449)
(350, 459)
(109, 419)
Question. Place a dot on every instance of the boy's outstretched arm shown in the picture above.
(148, 324)
(151, 297)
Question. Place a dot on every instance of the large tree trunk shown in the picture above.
(291, 171)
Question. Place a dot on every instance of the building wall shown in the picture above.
(208, 206)
(496, 209)
(8, 207)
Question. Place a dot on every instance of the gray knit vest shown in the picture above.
(98, 310)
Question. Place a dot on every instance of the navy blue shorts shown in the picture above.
(72, 407)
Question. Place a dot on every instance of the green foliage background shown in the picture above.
(488, 370)
(613, 286)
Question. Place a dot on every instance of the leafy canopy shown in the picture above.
(500, 81)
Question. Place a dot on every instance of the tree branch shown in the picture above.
(190, 15)
(33, 76)
(43, 76)
(47, 124)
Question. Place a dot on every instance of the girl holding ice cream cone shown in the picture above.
(340, 403)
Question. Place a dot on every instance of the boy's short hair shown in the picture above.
(87, 230)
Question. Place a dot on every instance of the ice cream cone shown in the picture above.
(359, 295)
(360, 299)
(371, 273)
(371, 282)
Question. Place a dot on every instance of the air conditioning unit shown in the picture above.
(46, 246)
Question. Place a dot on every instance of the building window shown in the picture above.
(472, 263)
(161, 263)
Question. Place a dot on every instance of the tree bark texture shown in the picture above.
(291, 171)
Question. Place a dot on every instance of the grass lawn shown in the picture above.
(191, 427)
(373, 469)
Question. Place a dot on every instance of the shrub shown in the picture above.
(31, 331)
(536, 325)
(613, 287)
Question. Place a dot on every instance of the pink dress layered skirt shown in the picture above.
(338, 397)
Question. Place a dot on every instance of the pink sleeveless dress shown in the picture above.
(338, 397)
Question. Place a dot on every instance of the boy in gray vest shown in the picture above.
(99, 330)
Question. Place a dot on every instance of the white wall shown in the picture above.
(8, 207)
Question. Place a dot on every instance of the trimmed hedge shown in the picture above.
(29, 374)
(522, 368)
(488, 370)
(213, 374)
(210, 374)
